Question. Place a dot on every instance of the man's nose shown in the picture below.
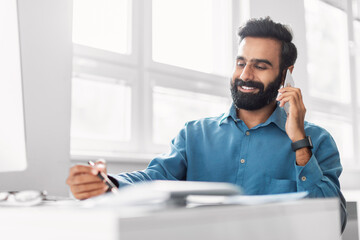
(247, 73)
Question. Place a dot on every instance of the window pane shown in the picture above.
(100, 111)
(358, 143)
(341, 132)
(357, 56)
(193, 34)
(356, 8)
(173, 108)
(328, 55)
(103, 24)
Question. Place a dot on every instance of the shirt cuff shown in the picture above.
(307, 176)
(118, 180)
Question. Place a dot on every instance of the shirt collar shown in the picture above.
(278, 117)
(231, 113)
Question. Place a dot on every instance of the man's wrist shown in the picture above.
(297, 137)
(302, 148)
(303, 143)
(303, 156)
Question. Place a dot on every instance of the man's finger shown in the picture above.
(284, 95)
(286, 99)
(86, 195)
(101, 165)
(78, 169)
(287, 89)
(89, 187)
(82, 179)
(295, 95)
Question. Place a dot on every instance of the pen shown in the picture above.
(105, 178)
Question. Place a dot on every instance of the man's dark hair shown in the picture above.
(267, 28)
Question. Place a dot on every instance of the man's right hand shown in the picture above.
(84, 182)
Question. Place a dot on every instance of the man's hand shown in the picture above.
(84, 182)
(295, 121)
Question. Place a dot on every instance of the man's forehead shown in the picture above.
(260, 48)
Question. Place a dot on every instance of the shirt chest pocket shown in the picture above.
(274, 186)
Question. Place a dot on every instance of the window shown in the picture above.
(356, 49)
(327, 51)
(103, 24)
(168, 120)
(141, 70)
(176, 37)
(333, 42)
(101, 110)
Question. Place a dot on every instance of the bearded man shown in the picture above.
(255, 144)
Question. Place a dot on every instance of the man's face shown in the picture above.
(257, 77)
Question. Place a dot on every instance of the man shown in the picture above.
(256, 144)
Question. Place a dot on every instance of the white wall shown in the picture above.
(46, 49)
(291, 13)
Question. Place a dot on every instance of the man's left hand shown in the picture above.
(295, 121)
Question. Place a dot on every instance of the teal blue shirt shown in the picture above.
(260, 159)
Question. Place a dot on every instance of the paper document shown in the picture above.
(162, 194)
(261, 199)
(245, 199)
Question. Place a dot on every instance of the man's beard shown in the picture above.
(254, 101)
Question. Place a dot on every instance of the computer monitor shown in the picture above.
(12, 122)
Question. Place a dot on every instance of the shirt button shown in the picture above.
(247, 133)
(242, 160)
(303, 178)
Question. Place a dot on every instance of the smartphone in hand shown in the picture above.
(289, 82)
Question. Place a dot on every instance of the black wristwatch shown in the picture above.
(306, 142)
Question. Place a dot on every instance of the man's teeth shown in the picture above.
(247, 88)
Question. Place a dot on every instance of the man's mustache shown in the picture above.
(239, 83)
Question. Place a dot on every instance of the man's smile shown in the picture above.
(246, 89)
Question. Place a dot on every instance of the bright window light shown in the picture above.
(173, 108)
(101, 110)
(104, 24)
(341, 131)
(193, 34)
(357, 56)
(328, 55)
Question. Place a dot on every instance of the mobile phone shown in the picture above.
(289, 82)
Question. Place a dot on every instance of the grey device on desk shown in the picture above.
(178, 191)
(12, 123)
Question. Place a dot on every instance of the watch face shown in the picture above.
(310, 142)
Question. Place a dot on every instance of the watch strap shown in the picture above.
(306, 142)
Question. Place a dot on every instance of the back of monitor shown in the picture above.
(12, 123)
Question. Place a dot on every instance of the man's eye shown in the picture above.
(239, 64)
(260, 67)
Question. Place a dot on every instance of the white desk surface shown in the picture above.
(304, 219)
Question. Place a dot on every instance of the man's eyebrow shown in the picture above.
(262, 61)
(256, 60)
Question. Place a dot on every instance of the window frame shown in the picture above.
(348, 112)
(144, 74)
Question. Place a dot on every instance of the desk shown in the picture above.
(305, 219)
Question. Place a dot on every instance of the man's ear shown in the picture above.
(291, 68)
